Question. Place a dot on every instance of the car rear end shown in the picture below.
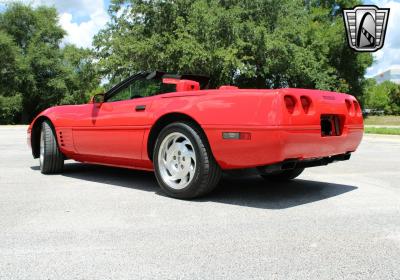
(292, 128)
(319, 123)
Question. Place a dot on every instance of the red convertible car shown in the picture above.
(189, 134)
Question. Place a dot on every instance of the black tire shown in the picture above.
(207, 172)
(285, 175)
(51, 159)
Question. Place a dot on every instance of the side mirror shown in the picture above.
(97, 98)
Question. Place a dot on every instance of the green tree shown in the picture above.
(10, 71)
(394, 95)
(384, 96)
(37, 34)
(259, 43)
(375, 96)
(82, 79)
(36, 73)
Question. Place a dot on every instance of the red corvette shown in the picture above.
(189, 134)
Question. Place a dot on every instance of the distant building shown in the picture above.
(392, 74)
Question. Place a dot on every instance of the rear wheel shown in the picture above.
(51, 159)
(285, 175)
(183, 163)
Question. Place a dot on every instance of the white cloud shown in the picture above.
(73, 6)
(81, 34)
(389, 55)
(81, 19)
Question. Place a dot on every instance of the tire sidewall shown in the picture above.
(53, 160)
(197, 142)
(45, 129)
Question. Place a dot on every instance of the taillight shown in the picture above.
(290, 103)
(349, 106)
(356, 107)
(305, 103)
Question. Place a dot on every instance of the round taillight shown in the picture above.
(356, 107)
(290, 103)
(305, 103)
(348, 105)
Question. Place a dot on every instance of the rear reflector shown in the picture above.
(290, 103)
(236, 135)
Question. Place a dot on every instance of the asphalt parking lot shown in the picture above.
(92, 222)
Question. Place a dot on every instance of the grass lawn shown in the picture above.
(382, 120)
(382, 130)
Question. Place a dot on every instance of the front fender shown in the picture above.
(33, 132)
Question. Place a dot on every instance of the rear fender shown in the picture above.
(229, 108)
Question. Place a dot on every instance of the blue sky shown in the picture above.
(82, 19)
(389, 55)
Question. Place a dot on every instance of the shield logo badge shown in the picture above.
(366, 27)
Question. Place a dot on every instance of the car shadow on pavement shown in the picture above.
(250, 191)
(254, 191)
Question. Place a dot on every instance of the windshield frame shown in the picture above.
(157, 75)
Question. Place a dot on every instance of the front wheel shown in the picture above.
(285, 175)
(51, 159)
(183, 163)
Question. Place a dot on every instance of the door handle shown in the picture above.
(140, 108)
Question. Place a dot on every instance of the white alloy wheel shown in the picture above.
(177, 161)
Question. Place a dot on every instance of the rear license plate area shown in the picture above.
(331, 125)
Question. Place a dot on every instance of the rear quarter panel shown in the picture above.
(217, 110)
(216, 107)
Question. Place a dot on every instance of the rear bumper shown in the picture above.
(276, 144)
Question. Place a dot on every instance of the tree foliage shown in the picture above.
(36, 72)
(383, 97)
(81, 78)
(258, 43)
(10, 71)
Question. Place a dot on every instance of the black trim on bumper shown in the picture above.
(302, 163)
